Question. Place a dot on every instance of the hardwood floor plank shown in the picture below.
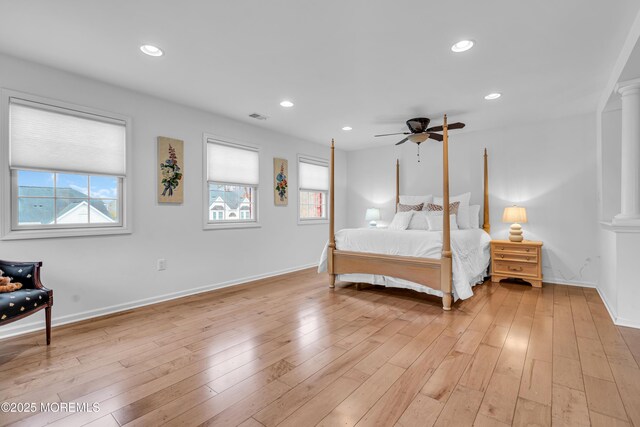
(530, 413)
(351, 409)
(567, 372)
(461, 409)
(480, 369)
(537, 378)
(603, 397)
(394, 402)
(423, 411)
(569, 407)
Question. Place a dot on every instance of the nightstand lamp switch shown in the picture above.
(372, 215)
(516, 215)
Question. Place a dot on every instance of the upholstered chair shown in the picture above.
(32, 297)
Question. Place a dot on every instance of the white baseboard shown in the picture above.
(612, 313)
(12, 331)
(620, 321)
(569, 283)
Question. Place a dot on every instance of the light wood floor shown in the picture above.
(290, 352)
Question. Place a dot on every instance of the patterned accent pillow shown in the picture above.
(453, 208)
(407, 208)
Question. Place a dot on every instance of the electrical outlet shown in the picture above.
(162, 264)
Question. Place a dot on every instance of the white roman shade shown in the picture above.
(232, 164)
(43, 137)
(313, 175)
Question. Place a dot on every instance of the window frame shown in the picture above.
(320, 162)
(227, 224)
(8, 223)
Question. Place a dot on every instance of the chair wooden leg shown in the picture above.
(47, 314)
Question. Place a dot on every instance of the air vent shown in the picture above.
(258, 116)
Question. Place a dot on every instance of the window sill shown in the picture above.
(312, 221)
(63, 232)
(231, 225)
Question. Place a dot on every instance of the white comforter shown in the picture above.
(470, 253)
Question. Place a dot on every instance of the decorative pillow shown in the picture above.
(419, 221)
(453, 208)
(407, 208)
(435, 222)
(415, 200)
(474, 216)
(463, 217)
(401, 220)
(464, 199)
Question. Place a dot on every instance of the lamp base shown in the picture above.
(373, 224)
(515, 233)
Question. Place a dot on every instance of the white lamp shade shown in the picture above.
(373, 214)
(515, 214)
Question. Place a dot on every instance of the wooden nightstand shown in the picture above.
(522, 260)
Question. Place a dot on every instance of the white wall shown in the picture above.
(91, 274)
(549, 168)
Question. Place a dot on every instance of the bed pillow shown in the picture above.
(407, 208)
(464, 217)
(435, 222)
(474, 216)
(464, 198)
(401, 220)
(419, 221)
(415, 200)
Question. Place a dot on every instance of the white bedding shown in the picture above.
(470, 254)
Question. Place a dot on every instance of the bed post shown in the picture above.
(446, 266)
(397, 183)
(486, 225)
(332, 237)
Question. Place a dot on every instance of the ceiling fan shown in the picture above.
(420, 131)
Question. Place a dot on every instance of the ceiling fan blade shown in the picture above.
(457, 125)
(436, 136)
(389, 134)
(402, 142)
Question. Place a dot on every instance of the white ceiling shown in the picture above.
(370, 64)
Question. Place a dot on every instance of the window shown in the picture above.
(67, 169)
(313, 187)
(232, 184)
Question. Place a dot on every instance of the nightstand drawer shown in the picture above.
(514, 256)
(511, 268)
(517, 248)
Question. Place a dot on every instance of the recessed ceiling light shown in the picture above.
(462, 46)
(492, 96)
(347, 128)
(286, 104)
(151, 50)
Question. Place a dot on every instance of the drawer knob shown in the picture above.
(527, 249)
(527, 258)
(501, 256)
(515, 268)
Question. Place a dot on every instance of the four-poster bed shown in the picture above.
(434, 273)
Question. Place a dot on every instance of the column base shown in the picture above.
(626, 219)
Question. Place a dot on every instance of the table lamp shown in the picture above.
(515, 215)
(372, 215)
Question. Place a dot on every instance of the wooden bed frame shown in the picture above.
(434, 273)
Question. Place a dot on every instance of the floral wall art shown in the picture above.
(170, 170)
(281, 181)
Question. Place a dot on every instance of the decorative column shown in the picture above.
(630, 164)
